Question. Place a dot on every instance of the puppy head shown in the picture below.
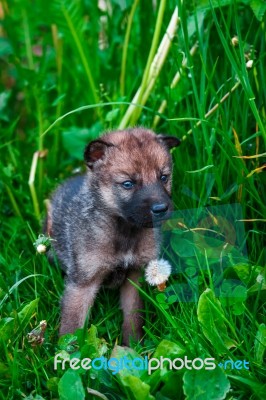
(131, 171)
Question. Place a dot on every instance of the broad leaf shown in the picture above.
(183, 247)
(211, 317)
(259, 8)
(70, 386)
(169, 349)
(75, 139)
(138, 390)
(202, 384)
(93, 346)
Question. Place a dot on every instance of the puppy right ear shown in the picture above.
(95, 151)
(169, 141)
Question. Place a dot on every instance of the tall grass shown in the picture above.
(70, 70)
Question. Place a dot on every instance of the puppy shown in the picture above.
(105, 224)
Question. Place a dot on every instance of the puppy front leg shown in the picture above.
(131, 303)
(75, 304)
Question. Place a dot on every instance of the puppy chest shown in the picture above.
(128, 259)
(136, 260)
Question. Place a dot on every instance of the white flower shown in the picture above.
(157, 272)
(234, 41)
(249, 64)
(41, 248)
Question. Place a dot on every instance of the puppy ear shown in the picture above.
(169, 141)
(95, 151)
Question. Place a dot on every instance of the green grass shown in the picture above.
(59, 89)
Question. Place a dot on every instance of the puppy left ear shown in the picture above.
(169, 141)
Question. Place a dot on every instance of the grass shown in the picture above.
(61, 87)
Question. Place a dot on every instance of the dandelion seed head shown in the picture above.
(157, 272)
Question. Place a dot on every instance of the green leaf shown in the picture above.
(243, 272)
(238, 308)
(91, 345)
(169, 349)
(52, 384)
(183, 247)
(68, 342)
(161, 298)
(194, 21)
(260, 343)
(211, 243)
(92, 336)
(172, 383)
(165, 349)
(26, 313)
(211, 317)
(58, 99)
(138, 390)
(172, 299)
(202, 384)
(70, 386)
(75, 139)
(259, 8)
(111, 115)
(6, 329)
(191, 271)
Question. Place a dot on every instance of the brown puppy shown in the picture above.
(105, 223)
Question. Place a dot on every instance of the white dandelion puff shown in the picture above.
(157, 272)
(41, 248)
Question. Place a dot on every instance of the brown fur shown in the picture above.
(105, 232)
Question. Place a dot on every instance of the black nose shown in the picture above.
(159, 208)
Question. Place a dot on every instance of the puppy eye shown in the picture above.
(128, 184)
(164, 178)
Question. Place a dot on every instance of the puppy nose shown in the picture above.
(159, 208)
